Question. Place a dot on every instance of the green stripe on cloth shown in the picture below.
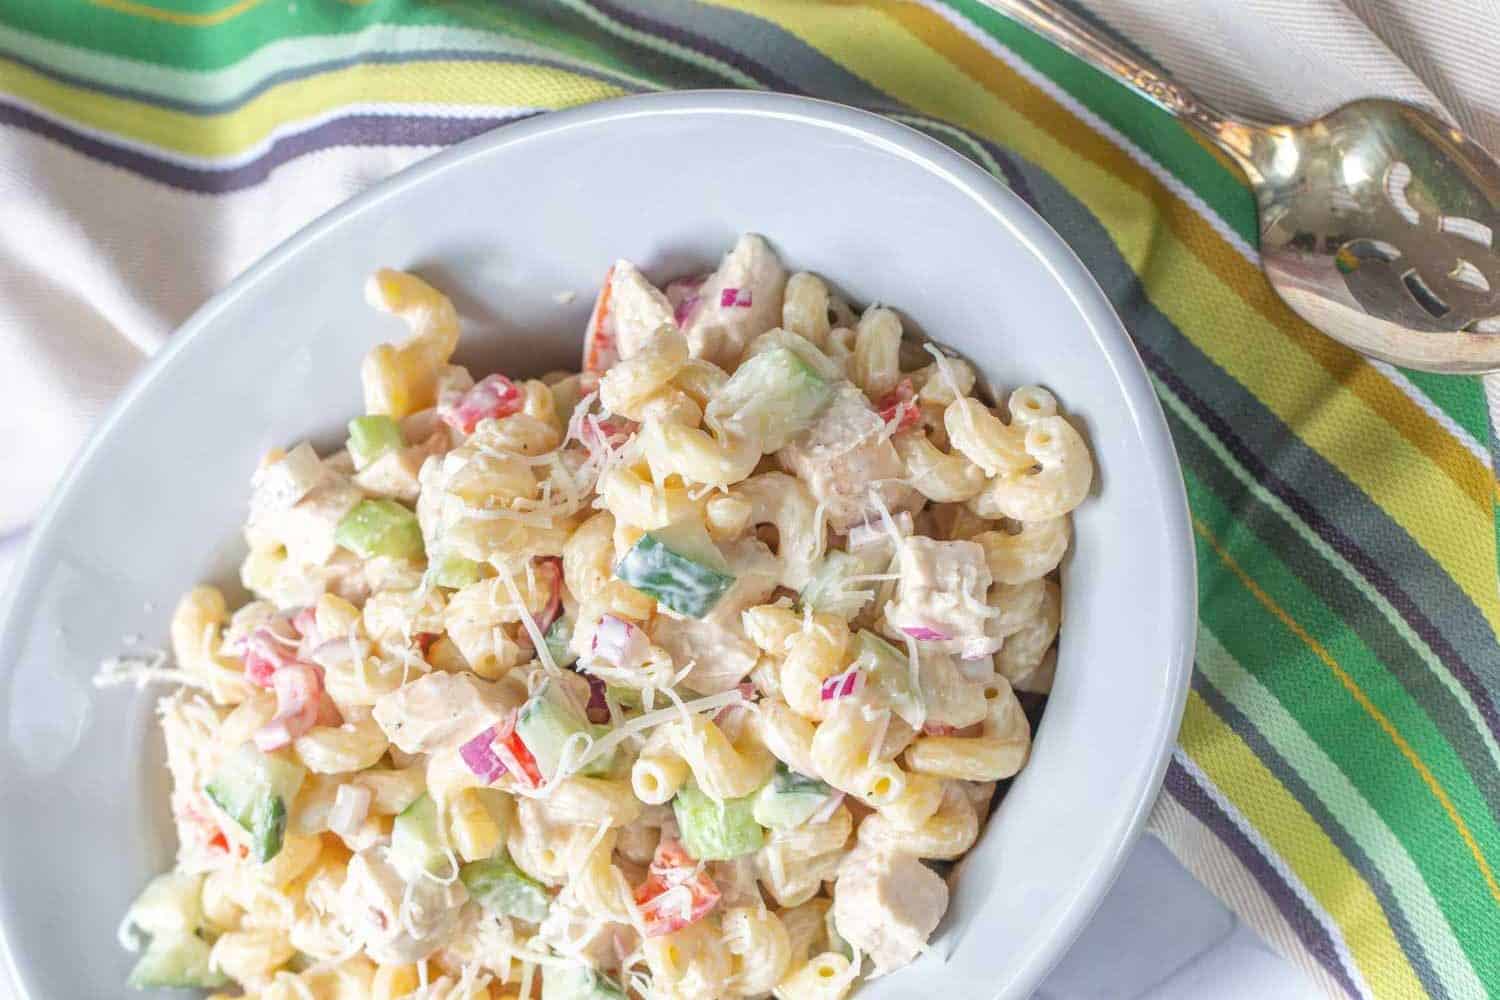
(1342, 742)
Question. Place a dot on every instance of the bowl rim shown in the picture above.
(1164, 473)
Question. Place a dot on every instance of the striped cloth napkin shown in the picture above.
(1338, 775)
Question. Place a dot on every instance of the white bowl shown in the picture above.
(504, 223)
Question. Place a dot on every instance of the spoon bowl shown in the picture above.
(1377, 221)
(1377, 225)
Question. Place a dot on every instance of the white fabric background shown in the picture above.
(97, 267)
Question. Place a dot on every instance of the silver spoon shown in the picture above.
(1378, 221)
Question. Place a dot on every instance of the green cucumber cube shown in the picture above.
(716, 831)
(373, 436)
(578, 982)
(256, 791)
(772, 397)
(546, 723)
(687, 587)
(829, 592)
(416, 846)
(170, 904)
(380, 528)
(890, 675)
(503, 890)
(176, 961)
(454, 571)
(789, 799)
(558, 637)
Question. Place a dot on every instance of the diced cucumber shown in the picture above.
(546, 723)
(789, 799)
(687, 587)
(829, 592)
(380, 528)
(175, 961)
(890, 675)
(170, 904)
(578, 982)
(558, 636)
(503, 890)
(416, 846)
(772, 397)
(373, 436)
(716, 831)
(454, 571)
(256, 790)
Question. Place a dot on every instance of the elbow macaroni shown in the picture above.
(505, 513)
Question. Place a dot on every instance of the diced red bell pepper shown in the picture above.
(513, 753)
(900, 405)
(672, 895)
(601, 347)
(492, 396)
(424, 641)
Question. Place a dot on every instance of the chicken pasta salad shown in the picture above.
(670, 678)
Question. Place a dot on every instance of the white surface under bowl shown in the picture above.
(504, 223)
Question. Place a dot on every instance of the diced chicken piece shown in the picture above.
(887, 904)
(395, 474)
(627, 313)
(570, 929)
(941, 592)
(844, 456)
(371, 906)
(739, 302)
(305, 529)
(953, 699)
(283, 479)
(716, 644)
(440, 710)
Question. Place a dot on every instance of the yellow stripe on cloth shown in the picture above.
(191, 19)
(1360, 698)
(430, 85)
(1298, 839)
(1344, 410)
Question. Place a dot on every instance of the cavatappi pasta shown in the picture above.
(660, 679)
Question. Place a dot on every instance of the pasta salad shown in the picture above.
(670, 678)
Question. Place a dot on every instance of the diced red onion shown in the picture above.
(925, 633)
(598, 707)
(480, 758)
(492, 396)
(683, 294)
(738, 298)
(351, 805)
(619, 643)
(299, 688)
(265, 653)
(827, 809)
(683, 313)
(841, 685)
